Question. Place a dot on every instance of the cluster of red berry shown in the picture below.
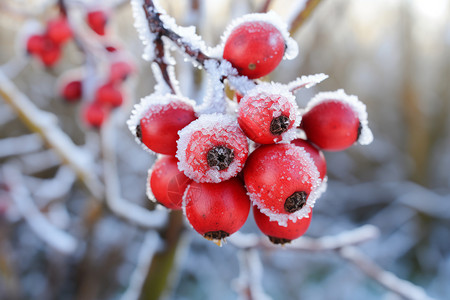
(108, 92)
(216, 166)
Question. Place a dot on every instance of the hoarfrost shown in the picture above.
(144, 33)
(366, 136)
(306, 81)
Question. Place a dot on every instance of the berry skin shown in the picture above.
(265, 116)
(72, 91)
(167, 183)
(35, 44)
(58, 30)
(212, 149)
(217, 210)
(316, 155)
(281, 234)
(94, 114)
(50, 54)
(254, 48)
(281, 180)
(109, 95)
(97, 20)
(119, 71)
(332, 125)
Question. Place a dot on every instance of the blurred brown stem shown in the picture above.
(304, 14)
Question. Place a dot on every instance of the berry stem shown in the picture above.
(304, 14)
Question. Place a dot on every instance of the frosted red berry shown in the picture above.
(268, 113)
(281, 180)
(97, 20)
(212, 148)
(167, 184)
(254, 48)
(281, 234)
(332, 125)
(50, 54)
(35, 44)
(161, 120)
(217, 210)
(58, 30)
(316, 155)
(72, 90)
(109, 95)
(94, 114)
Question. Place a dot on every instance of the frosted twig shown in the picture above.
(326, 243)
(49, 233)
(44, 123)
(120, 206)
(248, 284)
(387, 279)
(20, 145)
(149, 247)
(306, 81)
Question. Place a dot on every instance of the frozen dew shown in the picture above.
(272, 18)
(306, 81)
(366, 136)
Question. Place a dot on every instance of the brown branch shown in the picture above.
(304, 14)
(265, 7)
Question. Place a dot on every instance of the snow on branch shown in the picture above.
(45, 124)
(42, 227)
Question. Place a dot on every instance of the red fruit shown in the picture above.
(167, 183)
(109, 95)
(95, 114)
(110, 49)
(281, 180)
(97, 20)
(161, 118)
(281, 234)
(332, 125)
(50, 52)
(254, 48)
(35, 44)
(217, 210)
(316, 155)
(238, 97)
(58, 30)
(267, 114)
(119, 71)
(212, 149)
(71, 91)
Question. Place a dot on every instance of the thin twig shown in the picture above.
(303, 15)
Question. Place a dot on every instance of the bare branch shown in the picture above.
(303, 15)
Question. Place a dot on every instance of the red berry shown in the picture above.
(95, 114)
(238, 97)
(281, 234)
(332, 125)
(35, 44)
(217, 210)
(97, 20)
(58, 30)
(119, 71)
(316, 155)
(254, 48)
(159, 119)
(50, 52)
(267, 114)
(212, 149)
(111, 49)
(281, 180)
(109, 95)
(167, 183)
(71, 91)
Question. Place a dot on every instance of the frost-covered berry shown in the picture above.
(212, 149)
(254, 48)
(281, 180)
(166, 183)
(316, 155)
(216, 210)
(50, 52)
(97, 20)
(109, 95)
(268, 114)
(94, 114)
(334, 121)
(119, 71)
(281, 234)
(71, 91)
(58, 30)
(35, 44)
(157, 120)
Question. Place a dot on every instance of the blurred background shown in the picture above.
(59, 240)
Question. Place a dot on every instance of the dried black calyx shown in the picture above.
(295, 202)
(139, 132)
(220, 157)
(359, 131)
(216, 235)
(278, 241)
(279, 125)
